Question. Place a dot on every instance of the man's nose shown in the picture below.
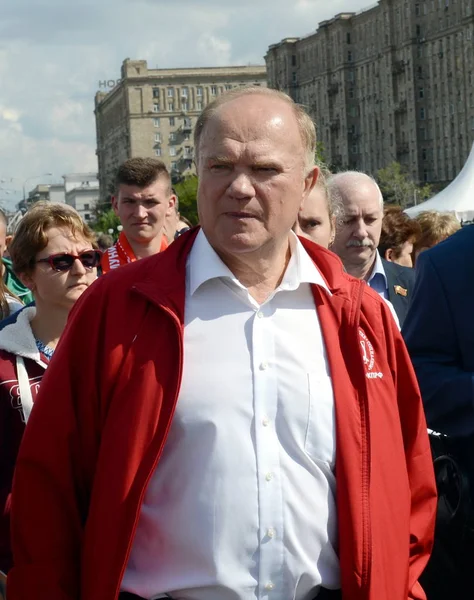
(140, 211)
(360, 230)
(242, 186)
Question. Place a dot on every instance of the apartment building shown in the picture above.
(394, 82)
(152, 112)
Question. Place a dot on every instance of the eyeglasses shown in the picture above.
(65, 261)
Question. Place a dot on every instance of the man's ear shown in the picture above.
(309, 183)
(389, 254)
(8, 240)
(171, 204)
(115, 204)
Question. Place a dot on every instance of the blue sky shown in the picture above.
(53, 53)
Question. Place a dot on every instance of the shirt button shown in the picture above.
(264, 366)
(271, 532)
(269, 476)
(265, 421)
(270, 586)
(260, 314)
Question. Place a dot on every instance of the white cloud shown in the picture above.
(53, 54)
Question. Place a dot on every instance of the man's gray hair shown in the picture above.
(305, 123)
(348, 180)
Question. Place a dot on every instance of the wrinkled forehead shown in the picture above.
(362, 200)
(240, 122)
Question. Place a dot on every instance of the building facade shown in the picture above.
(394, 82)
(152, 112)
(82, 193)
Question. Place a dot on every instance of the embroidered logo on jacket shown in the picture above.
(368, 356)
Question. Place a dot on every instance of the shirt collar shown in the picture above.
(204, 264)
(378, 270)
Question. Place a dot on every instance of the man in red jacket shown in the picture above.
(241, 420)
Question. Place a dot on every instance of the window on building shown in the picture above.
(87, 217)
(157, 151)
(228, 86)
(172, 151)
(87, 206)
(213, 90)
(293, 60)
(199, 105)
(184, 105)
(418, 31)
(172, 121)
(349, 56)
(170, 106)
(172, 136)
(294, 77)
(425, 175)
(156, 107)
(424, 154)
(156, 92)
(187, 137)
(174, 165)
(422, 114)
(170, 93)
(348, 37)
(421, 92)
(417, 10)
(184, 92)
(156, 122)
(351, 92)
(158, 137)
(420, 72)
(199, 91)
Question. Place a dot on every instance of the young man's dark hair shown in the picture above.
(141, 172)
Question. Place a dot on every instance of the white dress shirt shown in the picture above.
(378, 282)
(242, 503)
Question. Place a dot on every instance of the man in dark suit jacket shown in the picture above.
(400, 284)
(358, 236)
(439, 332)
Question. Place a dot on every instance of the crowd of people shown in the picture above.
(230, 411)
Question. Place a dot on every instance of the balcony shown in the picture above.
(403, 148)
(401, 107)
(186, 127)
(399, 67)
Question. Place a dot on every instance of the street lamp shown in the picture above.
(33, 177)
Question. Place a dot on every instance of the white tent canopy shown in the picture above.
(457, 198)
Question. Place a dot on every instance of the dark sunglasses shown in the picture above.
(64, 261)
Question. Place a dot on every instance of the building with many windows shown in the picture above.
(394, 82)
(151, 112)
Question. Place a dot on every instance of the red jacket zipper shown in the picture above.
(158, 454)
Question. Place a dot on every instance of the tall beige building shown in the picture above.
(152, 112)
(394, 82)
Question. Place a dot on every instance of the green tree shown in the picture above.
(187, 194)
(398, 188)
(106, 220)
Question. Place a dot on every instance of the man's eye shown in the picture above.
(219, 167)
(311, 224)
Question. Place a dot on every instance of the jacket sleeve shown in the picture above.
(432, 340)
(54, 469)
(419, 466)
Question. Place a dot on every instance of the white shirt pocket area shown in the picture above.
(320, 438)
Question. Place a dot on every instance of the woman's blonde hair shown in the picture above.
(32, 234)
(435, 227)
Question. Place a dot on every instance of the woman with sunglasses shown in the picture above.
(53, 255)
